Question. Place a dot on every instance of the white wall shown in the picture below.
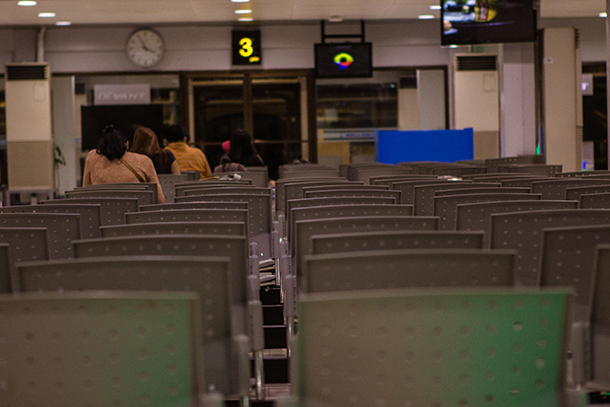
(206, 48)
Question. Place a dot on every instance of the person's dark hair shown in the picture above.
(241, 150)
(112, 144)
(173, 133)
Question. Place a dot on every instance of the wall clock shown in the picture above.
(145, 48)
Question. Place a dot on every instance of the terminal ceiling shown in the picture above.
(149, 12)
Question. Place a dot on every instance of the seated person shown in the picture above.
(112, 163)
(241, 150)
(189, 158)
(145, 142)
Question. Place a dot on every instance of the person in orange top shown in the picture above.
(188, 158)
(112, 163)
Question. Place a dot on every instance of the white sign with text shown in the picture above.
(121, 94)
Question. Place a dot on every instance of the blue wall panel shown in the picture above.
(424, 145)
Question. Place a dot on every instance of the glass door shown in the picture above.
(272, 109)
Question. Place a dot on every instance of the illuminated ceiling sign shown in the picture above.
(246, 47)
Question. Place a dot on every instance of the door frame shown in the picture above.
(308, 100)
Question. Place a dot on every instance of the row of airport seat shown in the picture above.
(317, 386)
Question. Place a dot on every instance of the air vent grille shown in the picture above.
(477, 63)
(23, 72)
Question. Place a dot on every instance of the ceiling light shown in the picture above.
(435, 7)
(245, 19)
(453, 46)
(426, 17)
(603, 15)
(63, 23)
(335, 19)
(240, 1)
(243, 11)
(26, 3)
(46, 15)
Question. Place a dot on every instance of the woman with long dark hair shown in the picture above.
(112, 163)
(242, 151)
(145, 142)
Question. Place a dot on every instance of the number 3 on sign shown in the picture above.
(246, 47)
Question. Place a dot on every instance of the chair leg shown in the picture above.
(259, 374)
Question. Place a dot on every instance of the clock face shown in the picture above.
(145, 48)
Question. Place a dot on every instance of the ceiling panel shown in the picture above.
(143, 12)
(571, 8)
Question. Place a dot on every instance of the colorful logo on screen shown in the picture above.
(343, 60)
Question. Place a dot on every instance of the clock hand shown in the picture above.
(143, 45)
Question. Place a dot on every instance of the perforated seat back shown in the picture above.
(600, 321)
(310, 173)
(353, 193)
(376, 269)
(333, 201)
(5, 269)
(493, 177)
(347, 211)
(62, 228)
(25, 244)
(305, 229)
(458, 171)
(201, 184)
(90, 215)
(143, 197)
(194, 205)
(344, 186)
(148, 186)
(388, 180)
(477, 216)
(522, 231)
(595, 201)
(189, 215)
(259, 216)
(583, 174)
(394, 240)
(492, 164)
(492, 189)
(445, 207)
(423, 204)
(234, 247)
(113, 210)
(539, 169)
(432, 348)
(349, 170)
(100, 349)
(525, 182)
(233, 190)
(293, 189)
(407, 188)
(568, 259)
(176, 228)
(556, 188)
(207, 276)
(280, 184)
(364, 174)
(168, 184)
(573, 194)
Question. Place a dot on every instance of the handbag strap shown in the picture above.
(138, 176)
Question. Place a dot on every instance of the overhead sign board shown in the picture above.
(246, 47)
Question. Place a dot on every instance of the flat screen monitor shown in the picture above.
(126, 118)
(487, 21)
(344, 60)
